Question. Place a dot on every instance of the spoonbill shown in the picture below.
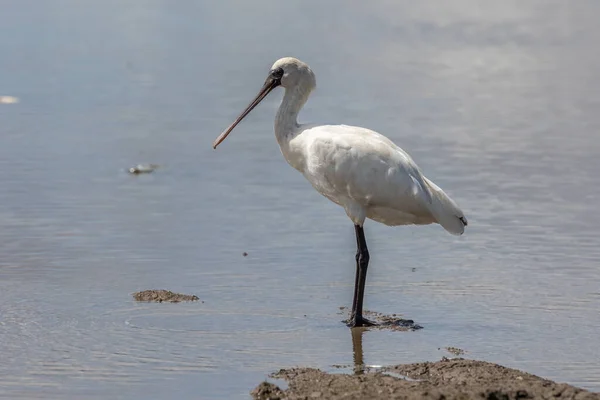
(356, 168)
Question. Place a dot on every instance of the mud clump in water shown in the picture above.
(446, 379)
(455, 350)
(163, 295)
(383, 321)
(393, 322)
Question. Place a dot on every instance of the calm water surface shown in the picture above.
(497, 101)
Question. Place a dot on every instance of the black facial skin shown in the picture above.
(277, 74)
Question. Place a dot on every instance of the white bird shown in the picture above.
(356, 168)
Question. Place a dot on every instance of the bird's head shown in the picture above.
(291, 72)
(287, 72)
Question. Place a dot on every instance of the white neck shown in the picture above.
(286, 120)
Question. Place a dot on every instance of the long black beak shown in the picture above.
(270, 84)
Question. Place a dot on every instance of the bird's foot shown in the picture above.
(359, 322)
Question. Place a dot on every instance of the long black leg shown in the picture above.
(355, 298)
(362, 263)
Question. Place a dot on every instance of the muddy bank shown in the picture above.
(446, 379)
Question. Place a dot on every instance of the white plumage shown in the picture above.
(369, 176)
(357, 168)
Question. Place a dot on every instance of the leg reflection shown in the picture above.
(357, 336)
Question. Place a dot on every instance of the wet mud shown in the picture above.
(386, 321)
(160, 296)
(447, 379)
(455, 351)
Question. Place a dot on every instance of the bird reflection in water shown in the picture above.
(357, 339)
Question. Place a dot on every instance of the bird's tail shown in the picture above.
(445, 210)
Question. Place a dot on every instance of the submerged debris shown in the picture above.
(142, 169)
(163, 295)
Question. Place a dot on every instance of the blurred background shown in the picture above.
(496, 101)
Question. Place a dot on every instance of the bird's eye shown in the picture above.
(277, 73)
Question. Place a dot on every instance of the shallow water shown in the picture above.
(497, 103)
